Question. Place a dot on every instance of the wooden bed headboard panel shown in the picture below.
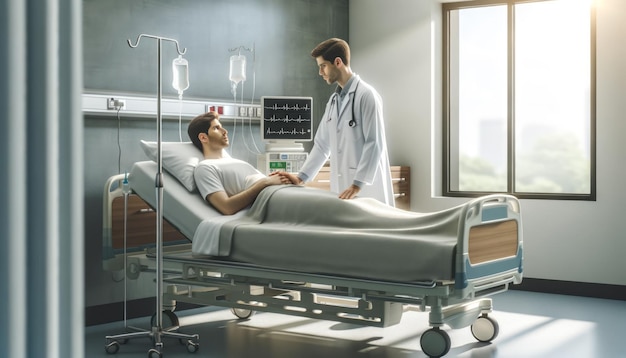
(493, 241)
(141, 224)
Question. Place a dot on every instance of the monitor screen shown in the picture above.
(287, 118)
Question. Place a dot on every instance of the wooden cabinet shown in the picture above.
(400, 175)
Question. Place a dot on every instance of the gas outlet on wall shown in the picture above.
(116, 103)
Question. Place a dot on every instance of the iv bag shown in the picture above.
(237, 68)
(180, 69)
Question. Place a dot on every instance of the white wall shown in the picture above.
(396, 46)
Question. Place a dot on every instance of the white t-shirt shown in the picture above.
(227, 174)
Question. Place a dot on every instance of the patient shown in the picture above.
(228, 184)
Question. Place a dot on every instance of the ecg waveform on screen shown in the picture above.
(283, 131)
(288, 119)
(286, 107)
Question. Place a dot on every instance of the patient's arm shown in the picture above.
(229, 205)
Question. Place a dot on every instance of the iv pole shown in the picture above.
(157, 331)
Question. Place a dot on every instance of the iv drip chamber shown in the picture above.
(237, 68)
(180, 69)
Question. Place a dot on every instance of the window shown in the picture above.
(519, 98)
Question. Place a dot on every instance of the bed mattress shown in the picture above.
(363, 239)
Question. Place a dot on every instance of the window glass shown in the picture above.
(519, 98)
(552, 96)
(482, 99)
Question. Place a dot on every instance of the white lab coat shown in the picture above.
(358, 152)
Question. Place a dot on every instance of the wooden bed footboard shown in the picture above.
(490, 251)
(493, 241)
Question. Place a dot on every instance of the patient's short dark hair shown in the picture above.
(200, 124)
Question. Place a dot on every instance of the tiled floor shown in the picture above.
(531, 325)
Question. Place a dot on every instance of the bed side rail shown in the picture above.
(112, 190)
(490, 246)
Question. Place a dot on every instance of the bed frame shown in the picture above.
(489, 257)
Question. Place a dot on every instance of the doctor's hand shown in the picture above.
(273, 179)
(292, 178)
(350, 193)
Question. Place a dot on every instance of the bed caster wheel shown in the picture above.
(242, 313)
(112, 347)
(154, 353)
(168, 319)
(192, 347)
(485, 329)
(435, 342)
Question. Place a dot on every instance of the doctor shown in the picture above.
(351, 131)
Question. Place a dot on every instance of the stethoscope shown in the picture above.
(352, 122)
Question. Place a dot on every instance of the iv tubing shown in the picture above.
(180, 117)
(252, 98)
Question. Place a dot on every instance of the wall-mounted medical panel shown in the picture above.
(100, 104)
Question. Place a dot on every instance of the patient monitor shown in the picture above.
(286, 123)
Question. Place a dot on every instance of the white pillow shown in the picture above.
(179, 159)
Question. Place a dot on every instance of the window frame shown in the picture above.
(447, 117)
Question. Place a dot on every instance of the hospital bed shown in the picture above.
(446, 263)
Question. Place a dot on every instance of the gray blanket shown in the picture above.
(311, 230)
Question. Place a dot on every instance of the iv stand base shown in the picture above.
(156, 334)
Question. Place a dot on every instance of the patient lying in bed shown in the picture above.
(228, 184)
(302, 229)
(268, 209)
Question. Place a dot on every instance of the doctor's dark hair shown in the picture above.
(200, 124)
(331, 49)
